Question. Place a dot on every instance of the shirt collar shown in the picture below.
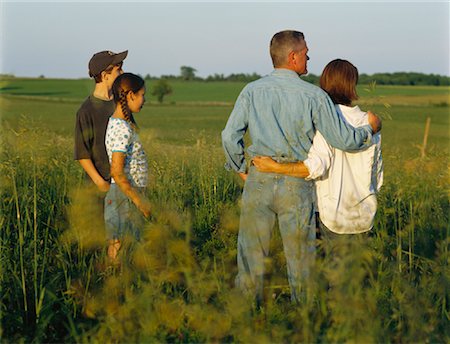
(284, 72)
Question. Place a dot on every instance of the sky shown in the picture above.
(57, 39)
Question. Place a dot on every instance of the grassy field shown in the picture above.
(177, 284)
(200, 107)
(192, 91)
(199, 91)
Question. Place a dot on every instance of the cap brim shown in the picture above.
(119, 57)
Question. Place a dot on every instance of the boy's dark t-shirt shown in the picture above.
(90, 129)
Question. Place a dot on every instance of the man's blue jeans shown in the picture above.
(265, 197)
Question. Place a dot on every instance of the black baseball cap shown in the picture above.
(100, 61)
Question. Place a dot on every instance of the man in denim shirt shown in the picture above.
(282, 113)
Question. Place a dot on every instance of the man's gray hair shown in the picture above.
(282, 43)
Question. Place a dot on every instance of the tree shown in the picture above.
(160, 89)
(187, 73)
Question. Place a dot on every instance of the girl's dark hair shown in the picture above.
(124, 84)
(339, 79)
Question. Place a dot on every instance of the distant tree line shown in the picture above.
(405, 78)
(399, 78)
(233, 77)
(188, 74)
(6, 76)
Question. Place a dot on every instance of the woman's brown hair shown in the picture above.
(339, 79)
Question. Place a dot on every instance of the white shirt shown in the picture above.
(346, 182)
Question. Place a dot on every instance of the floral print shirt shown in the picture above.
(120, 137)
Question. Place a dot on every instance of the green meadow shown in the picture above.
(176, 285)
(202, 108)
(184, 91)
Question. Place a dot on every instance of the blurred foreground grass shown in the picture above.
(177, 284)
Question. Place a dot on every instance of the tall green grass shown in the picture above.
(176, 285)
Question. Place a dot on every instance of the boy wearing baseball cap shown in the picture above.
(90, 129)
(93, 115)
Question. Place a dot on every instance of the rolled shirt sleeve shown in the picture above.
(233, 135)
(319, 157)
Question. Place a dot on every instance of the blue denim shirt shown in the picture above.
(282, 113)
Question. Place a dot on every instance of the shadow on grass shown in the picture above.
(34, 93)
(9, 88)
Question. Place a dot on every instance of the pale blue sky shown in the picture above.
(57, 39)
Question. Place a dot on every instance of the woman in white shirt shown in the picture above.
(346, 182)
